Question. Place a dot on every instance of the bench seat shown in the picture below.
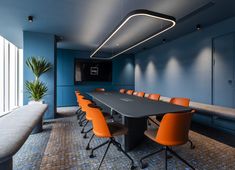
(15, 128)
(214, 110)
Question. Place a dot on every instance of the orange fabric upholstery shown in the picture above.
(99, 89)
(180, 101)
(140, 94)
(174, 129)
(130, 92)
(154, 97)
(84, 104)
(100, 127)
(122, 90)
(77, 93)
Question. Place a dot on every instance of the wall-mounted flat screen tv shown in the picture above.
(92, 70)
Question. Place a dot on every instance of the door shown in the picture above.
(223, 71)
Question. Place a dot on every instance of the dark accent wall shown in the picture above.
(183, 68)
(123, 76)
(43, 45)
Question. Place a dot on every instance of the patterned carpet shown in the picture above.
(61, 146)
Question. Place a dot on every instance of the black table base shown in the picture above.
(135, 135)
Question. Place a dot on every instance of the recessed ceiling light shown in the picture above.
(30, 18)
(198, 26)
(163, 40)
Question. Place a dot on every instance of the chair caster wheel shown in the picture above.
(85, 136)
(143, 165)
(169, 156)
(88, 148)
(80, 124)
(133, 167)
(92, 156)
(192, 147)
(82, 131)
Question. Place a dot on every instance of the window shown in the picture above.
(11, 76)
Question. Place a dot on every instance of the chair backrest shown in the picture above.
(100, 127)
(77, 93)
(130, 92)
(79, 98)
(99, 89)
(180, 101)
(140, 94)
(146, 95)
(87, 107)
(135, 93)
(122, 90)
(174, 129)
(154, 96)
(84, 104)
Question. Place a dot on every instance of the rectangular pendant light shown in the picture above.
(136, 13)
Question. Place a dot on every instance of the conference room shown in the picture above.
(117, 85)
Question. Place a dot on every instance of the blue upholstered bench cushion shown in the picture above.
(16, 126)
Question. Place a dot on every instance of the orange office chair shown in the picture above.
(130, 92)
(84, 107)
(99, 90)
(122, 90)
(173, 131)
(140, 94)
(77, 93)
(79, 111)
(155, 97)
(181, 102)
(102, 129)
(87, 105)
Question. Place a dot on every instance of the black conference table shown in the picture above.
(135, 111)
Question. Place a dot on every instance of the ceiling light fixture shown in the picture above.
(198, 27)
(133, 14)
(163, 40)
(30, 18)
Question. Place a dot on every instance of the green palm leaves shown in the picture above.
(38, 65)
(37, 89)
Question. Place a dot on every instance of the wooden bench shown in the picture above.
(15, 128)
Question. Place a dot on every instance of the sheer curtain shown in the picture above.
(11, 76)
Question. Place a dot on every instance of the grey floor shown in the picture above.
(61, 146)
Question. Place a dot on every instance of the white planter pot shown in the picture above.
(36, 102)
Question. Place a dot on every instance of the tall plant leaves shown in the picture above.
(38, 65)
(36, 89)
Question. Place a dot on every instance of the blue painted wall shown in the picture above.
(123, 76)
(183, 67)
(41, 44)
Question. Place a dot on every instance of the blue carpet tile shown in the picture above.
(61, 146)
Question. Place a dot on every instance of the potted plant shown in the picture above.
(36, 88)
